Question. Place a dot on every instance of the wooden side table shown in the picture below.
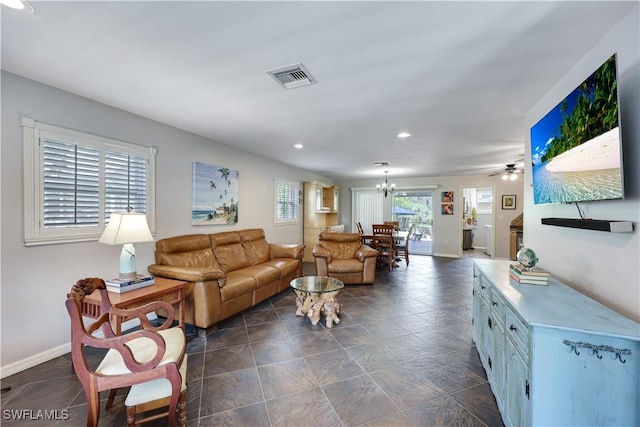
(171, 291)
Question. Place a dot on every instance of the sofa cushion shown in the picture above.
(287, 266)
(228, 251)
(186, 251)
(255, 245)
(237, 285)
(263, 274)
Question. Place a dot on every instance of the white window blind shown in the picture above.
(125, 183)
(287, 202)
(71, 184)
(74, 181)
(367, 208)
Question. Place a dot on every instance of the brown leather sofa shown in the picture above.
(344, 257)
(228, 272)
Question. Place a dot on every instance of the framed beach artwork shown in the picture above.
(447, 197)
(215, 195)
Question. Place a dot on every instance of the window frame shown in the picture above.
(292, 184)
(33, 168)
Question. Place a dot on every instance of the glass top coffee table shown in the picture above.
(317, 295)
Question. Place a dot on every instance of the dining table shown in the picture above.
(398, 237)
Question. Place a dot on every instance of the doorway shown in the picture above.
(477, 222)
(415, 207)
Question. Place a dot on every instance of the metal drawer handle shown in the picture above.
(493, 303)
(483, 287)
(513, 328)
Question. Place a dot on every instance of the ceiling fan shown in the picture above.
(510, 172)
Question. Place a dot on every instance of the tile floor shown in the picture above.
(401, 356)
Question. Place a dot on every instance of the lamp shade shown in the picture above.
(126, 227)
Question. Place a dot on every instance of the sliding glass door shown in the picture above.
(415, 207)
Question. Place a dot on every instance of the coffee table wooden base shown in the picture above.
(313, 304)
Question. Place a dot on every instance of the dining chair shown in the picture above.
(383, 229)
(402, 246)
(143, 360)
(396, 224)
(359, 227)
(385, 245)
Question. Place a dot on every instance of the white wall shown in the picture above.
(447, 229)
(605, 266)
(35, 280)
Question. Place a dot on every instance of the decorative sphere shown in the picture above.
(527, 257)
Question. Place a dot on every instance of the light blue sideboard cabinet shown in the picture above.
(553, 356)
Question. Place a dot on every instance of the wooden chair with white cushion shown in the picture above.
(151, 360)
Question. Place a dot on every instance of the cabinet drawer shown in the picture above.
(484, 288)
(498, 307)
(518, 332)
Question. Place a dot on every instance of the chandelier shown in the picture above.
(385, 188)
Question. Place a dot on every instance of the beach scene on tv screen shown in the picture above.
(575, 148)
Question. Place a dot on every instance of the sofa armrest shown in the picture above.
(320, 252)
(365, 252)
(285, 251)
(189, 274)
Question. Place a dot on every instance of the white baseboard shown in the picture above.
(34, 360)
(45, 356)
(447, 255)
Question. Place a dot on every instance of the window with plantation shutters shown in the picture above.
(125, 183)
(74, 181)
(287, 202)
(71, 184)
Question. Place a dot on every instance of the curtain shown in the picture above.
(366, 207)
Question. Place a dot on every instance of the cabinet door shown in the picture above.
(319, 196)
(517, 387)
(477, 323)
(486, 335)
(498, 366)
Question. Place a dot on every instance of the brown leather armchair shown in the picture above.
(344, 257)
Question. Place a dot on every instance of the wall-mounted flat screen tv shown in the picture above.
(576, 151)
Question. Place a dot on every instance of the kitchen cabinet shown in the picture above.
(321, 203)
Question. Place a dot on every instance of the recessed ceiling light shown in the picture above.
(18, 5)
(298, 146)
(404, 135)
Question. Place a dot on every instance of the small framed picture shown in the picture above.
(509, 201)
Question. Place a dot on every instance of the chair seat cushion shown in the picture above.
(345, 266)
(144, 350)
(155, 389)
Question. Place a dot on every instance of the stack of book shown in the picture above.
(527, 276)
(125, 285)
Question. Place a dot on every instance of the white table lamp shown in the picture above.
(126, 228)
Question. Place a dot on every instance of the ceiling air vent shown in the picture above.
(292, 76)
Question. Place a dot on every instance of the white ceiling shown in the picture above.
(459, 76)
